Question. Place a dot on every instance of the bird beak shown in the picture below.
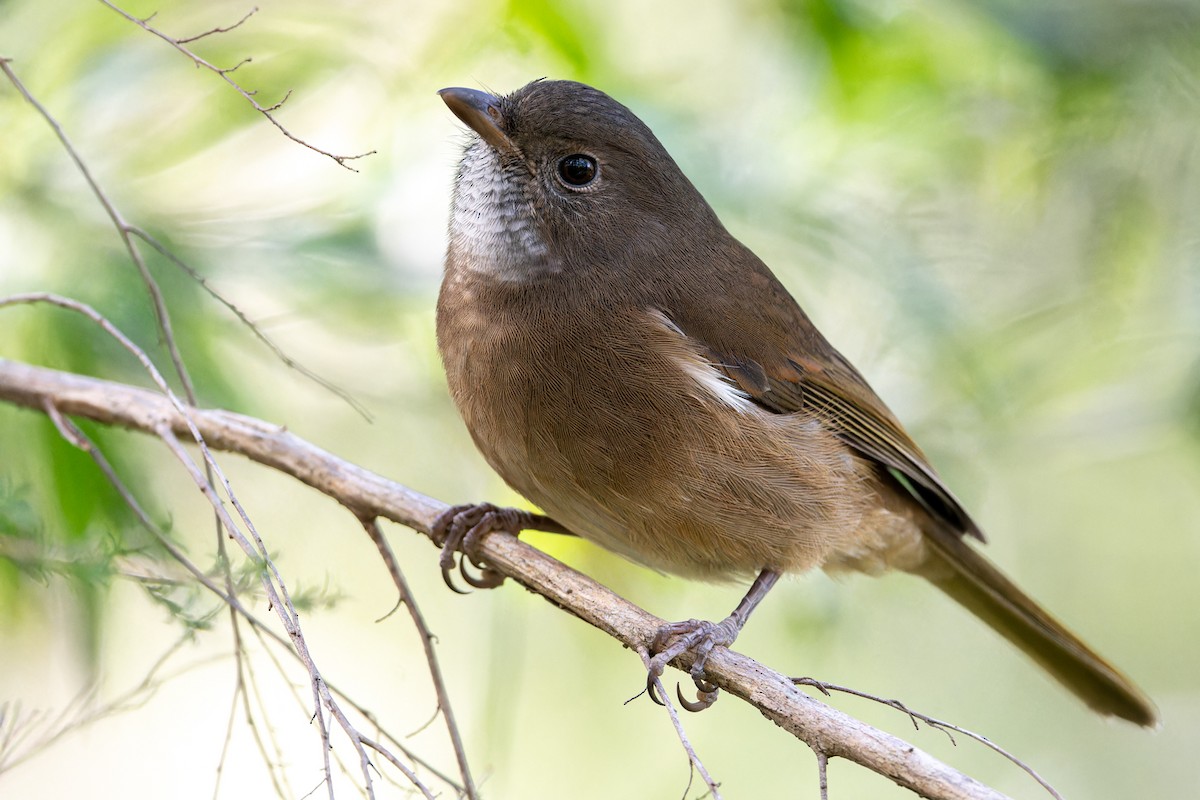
(481, 112)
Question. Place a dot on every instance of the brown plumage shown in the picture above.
(634, 370)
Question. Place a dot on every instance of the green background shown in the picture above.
(992, 208)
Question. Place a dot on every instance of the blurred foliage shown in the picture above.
(990, 207)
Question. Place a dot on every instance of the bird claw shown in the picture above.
(706, 695)
(700, 637)
(488, 578)
(462, 528)
(651, 690)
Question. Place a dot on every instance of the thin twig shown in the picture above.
(822, 773)
(254, 328)
(123, 229)
(81, 711)
(244, 676)
(937, 724)
(694, 762)
(371, 526)
(79, 439)
(127, 231)
(278, 598)
(225, 72)
(261, 631)
(212, 31)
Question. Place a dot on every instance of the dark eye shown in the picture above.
(577, 170)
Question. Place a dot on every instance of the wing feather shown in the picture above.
(831, 389)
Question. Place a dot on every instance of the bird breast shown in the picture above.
(579, 412)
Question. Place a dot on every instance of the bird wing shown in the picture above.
(821, 382)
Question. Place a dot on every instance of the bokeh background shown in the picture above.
(993, 208)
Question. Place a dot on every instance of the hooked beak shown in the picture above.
(481, 112)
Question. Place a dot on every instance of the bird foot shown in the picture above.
(462, 528)
(700, 637)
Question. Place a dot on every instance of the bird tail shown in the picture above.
(958, 570)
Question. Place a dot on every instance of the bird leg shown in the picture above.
(700, 637)
(463, 527)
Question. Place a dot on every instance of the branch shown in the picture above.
(274, 587)
(371, 525)
(828, 731)
(225, 72)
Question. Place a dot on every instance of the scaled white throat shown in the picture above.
(493, 221)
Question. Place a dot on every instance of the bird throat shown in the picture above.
(493, 222)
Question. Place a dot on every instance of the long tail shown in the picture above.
(955, 568)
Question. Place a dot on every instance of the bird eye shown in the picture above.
(577, 170)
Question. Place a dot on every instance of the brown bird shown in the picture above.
(630, 367)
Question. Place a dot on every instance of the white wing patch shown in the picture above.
(717, 385)
(712, 383)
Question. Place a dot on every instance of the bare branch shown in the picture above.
(135, 255)
(937, 724)
(409, 600)
(127, 231)
(693, 760)
(225, 72)
(270, 577)
(23, 736)
(211, 31)
(275, 349)
(827, 730)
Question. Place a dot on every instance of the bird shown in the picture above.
(642, 377)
